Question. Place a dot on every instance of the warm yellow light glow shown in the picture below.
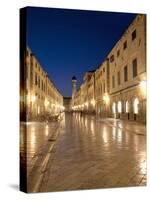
(33, 98)
(46, 130)
(119, 135)
(143, 87)
(46, 102)
(106, 98)
(114, 108)
(119, 106)
(93, 102)
(92, 127)
(136, 106)
(105, 135)
(86, 103)
(127, 107)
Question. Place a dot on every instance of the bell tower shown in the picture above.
(74, 86)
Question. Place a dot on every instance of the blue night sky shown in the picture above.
(71, 42)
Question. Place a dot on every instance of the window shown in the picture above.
(35, 79)
(133, 35)
(101, 89)
(112, 58)
(125, 73)
(125, 45)
(104, 87)
(118, 53)
(113, 81)
(134, 67)
(39, 82)
(119, 78)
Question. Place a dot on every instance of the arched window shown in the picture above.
(119, 106)
(114, 108)
(136, 106)
(127, 107)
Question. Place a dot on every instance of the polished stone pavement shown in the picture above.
(33, 141)
(91, 153)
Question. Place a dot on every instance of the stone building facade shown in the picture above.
(84, 99)
(41, 95)
(119, 83)
(127, 64)
(102, 89)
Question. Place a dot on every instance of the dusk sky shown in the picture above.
(72, 42)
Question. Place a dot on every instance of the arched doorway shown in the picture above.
(135, 107)
(114, 109)
(119, 107)
(127, 108)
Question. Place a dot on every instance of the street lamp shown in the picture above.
(143, 87)
(93, 102)
(86, 104)
(33, 98)
(46, 102)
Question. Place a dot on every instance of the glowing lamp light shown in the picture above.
(33, 98)
(93, 102)
(46, 102)
(106, 98)
(143, 86)
(86, 104)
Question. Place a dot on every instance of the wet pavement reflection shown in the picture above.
(33, 137)
(92, 153)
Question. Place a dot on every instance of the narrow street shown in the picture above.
(93, 153)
